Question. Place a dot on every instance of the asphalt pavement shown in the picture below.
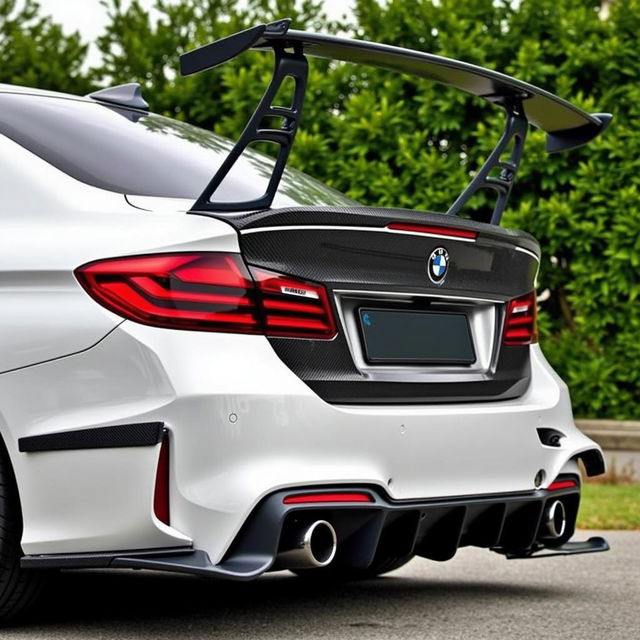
(476, 595)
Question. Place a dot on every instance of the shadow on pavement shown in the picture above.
(167, 606)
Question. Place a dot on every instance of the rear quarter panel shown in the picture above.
(50, 225)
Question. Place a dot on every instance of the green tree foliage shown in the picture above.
(389, 140)
(35, 52)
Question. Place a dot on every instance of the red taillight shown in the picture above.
(202, 291)
(520, 321)
(313, 498)
(293, 307)
(562, 484)
(445, 232)
(161, 493)
(209, 292)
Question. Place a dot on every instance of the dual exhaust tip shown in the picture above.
(309, 547)
(554, 521)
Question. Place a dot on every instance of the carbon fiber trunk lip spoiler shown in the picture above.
(566, 125)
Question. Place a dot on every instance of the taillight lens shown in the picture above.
(293, 307)
(208, 292)
(520, 322)
(205, 291)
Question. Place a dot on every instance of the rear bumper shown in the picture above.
(512, 525)
(243, 426)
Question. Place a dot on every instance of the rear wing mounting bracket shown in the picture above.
(287, 64)
(515, 134)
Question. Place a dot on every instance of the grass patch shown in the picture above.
(609, 506)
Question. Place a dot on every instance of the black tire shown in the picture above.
(18, 587)
(346, 574)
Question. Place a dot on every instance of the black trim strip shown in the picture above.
(143, 434)
(95, 560)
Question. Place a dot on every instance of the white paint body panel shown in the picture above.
(285, 436)
(45, 313)
(66, 363)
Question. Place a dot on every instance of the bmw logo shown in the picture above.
(438, 265)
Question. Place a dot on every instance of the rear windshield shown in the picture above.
(137, 153)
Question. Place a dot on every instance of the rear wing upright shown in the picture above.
(566, 126)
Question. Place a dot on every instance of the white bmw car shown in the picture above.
(213, 364)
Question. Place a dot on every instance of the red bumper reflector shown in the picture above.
(440, 231)
(309, 498)
(161, 493)
(562, 484)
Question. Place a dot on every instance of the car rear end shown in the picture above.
(442, 428)
(215, 365)
(313, 384)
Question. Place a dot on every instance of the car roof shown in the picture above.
(15, 88)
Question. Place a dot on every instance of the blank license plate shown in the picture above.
(416, 337)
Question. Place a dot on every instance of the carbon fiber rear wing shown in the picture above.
(566, 125)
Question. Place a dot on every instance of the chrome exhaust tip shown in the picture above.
(312, 547)
(555, 520)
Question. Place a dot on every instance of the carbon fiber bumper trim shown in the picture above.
(144, 434)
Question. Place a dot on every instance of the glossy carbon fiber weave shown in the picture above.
(391, 261)
(375, 261)
(370, 217)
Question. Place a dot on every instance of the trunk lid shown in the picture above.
(372, 271)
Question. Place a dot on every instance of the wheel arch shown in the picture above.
(593, 461)
(14, 490)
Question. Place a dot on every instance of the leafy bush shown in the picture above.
(389, 140)
(35, 52)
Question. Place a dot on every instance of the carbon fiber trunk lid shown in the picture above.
(362, 263)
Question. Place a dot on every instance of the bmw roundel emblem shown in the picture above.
(438, 265)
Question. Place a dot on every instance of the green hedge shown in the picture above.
(394, 141)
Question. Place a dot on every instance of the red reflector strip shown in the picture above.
(309, 498)
(161, 493)
(562, 484)
(440, 231)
